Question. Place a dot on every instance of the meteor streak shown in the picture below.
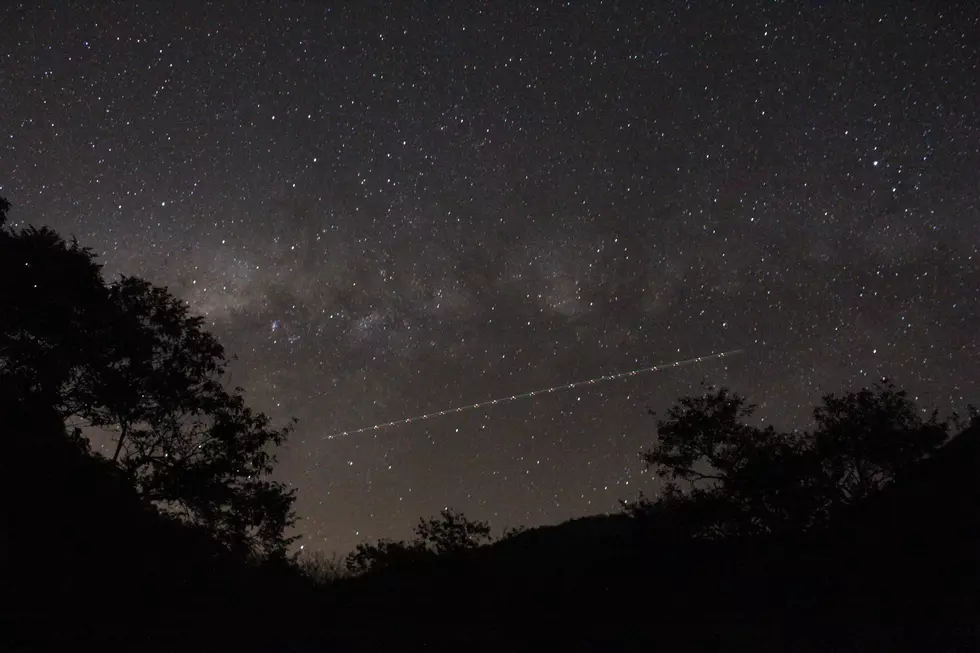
(534, 393)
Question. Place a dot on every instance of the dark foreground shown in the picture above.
(86, 566)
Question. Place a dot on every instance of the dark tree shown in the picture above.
(320, 567)
(130, 359)
(187, 443)
(157, 364)
(51, 291)
(865, 439)
(451, 532)
(734, 477)
(729, 477)
(383, 554)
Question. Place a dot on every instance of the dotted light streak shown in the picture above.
(533, 393)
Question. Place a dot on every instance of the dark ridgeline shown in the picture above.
(860, 536)
(893, 568)
(88, 563)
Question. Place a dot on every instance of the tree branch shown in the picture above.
(123, 431)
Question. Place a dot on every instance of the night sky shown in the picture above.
(385, 212)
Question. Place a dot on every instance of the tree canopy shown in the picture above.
(731, 477)
(130, 359)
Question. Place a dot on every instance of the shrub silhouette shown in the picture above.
(451, 532)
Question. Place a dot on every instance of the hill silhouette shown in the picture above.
(89, 562)
(899, 573)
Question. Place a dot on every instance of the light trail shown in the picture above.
(533, 393)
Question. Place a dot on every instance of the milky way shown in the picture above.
(381, 211)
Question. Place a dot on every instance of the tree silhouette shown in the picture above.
(864, 439)
(156, 360)
(731, 478)
(383, 554)
(185, 441)
(320, 567)
(131, 359)
(451, 532)
(50, 290)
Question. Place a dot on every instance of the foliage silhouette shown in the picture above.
(452, 532)
(449, 533)
(130, 359)
(865, 439)
(383, 554)
(51, 291)
(729, 478)
(322, 568)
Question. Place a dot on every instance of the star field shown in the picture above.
(388, 211)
